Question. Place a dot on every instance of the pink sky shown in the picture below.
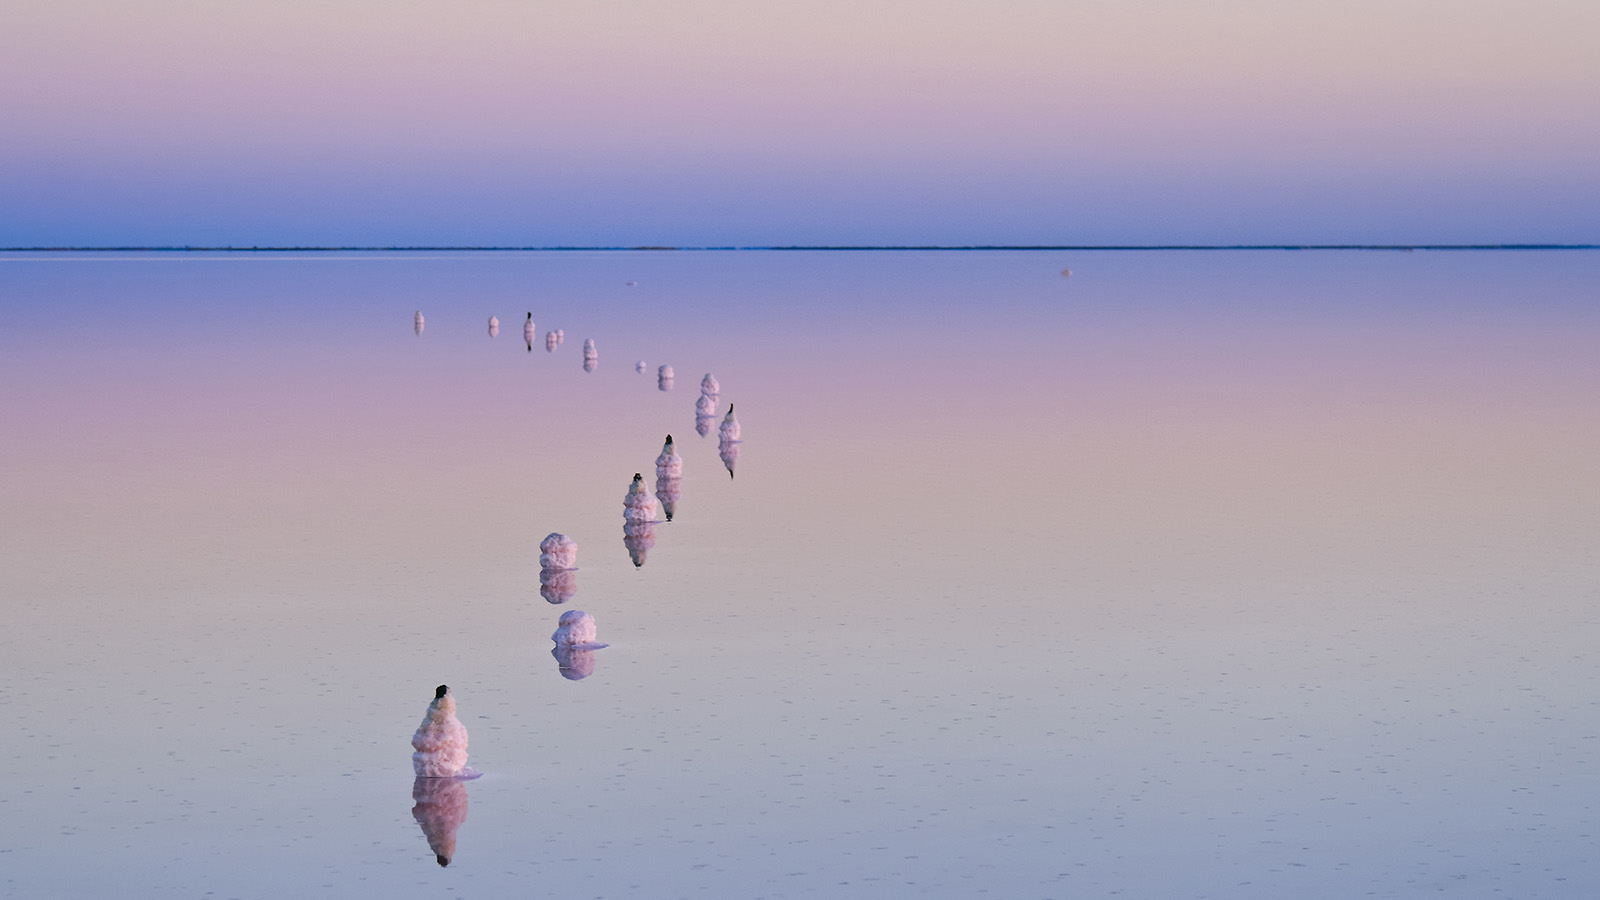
(723, 122)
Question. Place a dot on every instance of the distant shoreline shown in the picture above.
(978, 248)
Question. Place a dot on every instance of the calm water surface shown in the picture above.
(1190, 575)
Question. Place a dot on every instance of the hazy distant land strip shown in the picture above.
(799, 248)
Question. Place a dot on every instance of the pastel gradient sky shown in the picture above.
(721, 122)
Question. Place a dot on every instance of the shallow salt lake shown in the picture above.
(1248, 574)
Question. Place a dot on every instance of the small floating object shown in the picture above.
(575, 629)
(529, 330)
(1066, 273)
(494, 327)
(551, 341)
(591, 356)
(640, 367)
(416, 322)
(633, 284)
(664, 376)
(441, 741)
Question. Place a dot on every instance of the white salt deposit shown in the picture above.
(576, 630)
(417, 322)
(557, 551)
(591, 356)
(529, 329)
(441, 809)
(664, 377)
(669, 476)
(494, 327)
(575, 627)
(558, 558)
(639, 520)
(441, 741)
(638, 506)
(669, 464)
(709, 386)
(705, 407)
(550, 341)
(640, 367)
(728, 440)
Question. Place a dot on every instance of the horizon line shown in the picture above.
(778, 248)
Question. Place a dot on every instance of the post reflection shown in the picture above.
(639, 540)
(557, 586)
(574, 663)
(441, 808)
